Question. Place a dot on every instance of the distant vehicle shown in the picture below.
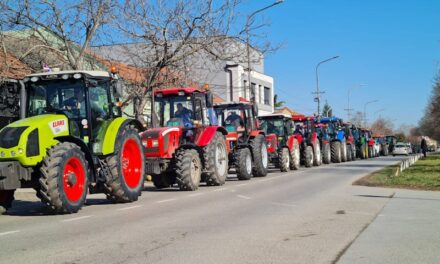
(401, 149)
(410, 149)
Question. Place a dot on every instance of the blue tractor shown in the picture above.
(336, 133)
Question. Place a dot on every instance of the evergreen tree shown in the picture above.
(327, 110)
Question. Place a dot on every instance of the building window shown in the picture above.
(245, 87)
(253, 85)
(267, 99)
(261, 95)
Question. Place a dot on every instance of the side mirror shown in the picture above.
(118, 88)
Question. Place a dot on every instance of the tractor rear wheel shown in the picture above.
(349, 157)
(370, 152)
(243, 164)
(6, 199)
(385, 150)
(284, 159)
(317, 156)
(216, 161)
(309, 157)
(64, 178)
(343, 151)
(188, 169)
(127, 167)
(363, 152)
(336, 151)
(353, 152)
(295, 156)
(327, 155)
(259, 154)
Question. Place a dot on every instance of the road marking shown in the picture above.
(243, 184)
(9, 232)
(268, 179)
(220, 189)
(128, 208)
(284, 204)
(165, 201)
(243, 197)
(76, 219)
(195, 194)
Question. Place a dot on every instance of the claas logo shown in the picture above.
(57, 123)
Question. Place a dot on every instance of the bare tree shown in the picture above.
(357, 119)
(63, 28)
(172, 37)
(382, 126)
(429, 123)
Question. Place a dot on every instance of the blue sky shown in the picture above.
(391, 46)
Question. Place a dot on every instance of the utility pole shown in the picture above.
(348, 109)
(318, 92)
(365, 111)
(248, 50)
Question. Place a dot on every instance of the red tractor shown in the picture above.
(324, 140)
(282, 146)
(350, 141)
(305, 133)
(246, 143)
(185, 146)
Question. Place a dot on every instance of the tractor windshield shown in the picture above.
(56, 96)
(174, 111)
(272, 126)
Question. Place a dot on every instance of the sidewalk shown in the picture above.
(406, 231)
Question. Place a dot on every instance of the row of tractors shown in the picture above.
(70, 138)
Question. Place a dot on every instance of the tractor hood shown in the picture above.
(161, 142)
(26, 140)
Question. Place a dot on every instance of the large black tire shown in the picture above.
(317, 156)
(163, 181)
(64, 178)
(6, 199)
(348, 148)
(215, 161)
(259, 155)
(308, 157)
(336, 151)
(343, 151)
(243, 164)
(188, 169)
(363, 152)
(295, 156)
(353, 152)
(127, 167)
(385, 150)
(284, 159)
(326, 154)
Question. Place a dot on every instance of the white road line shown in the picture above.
(267, 179)
(9, 232)
(76, 219)
(128, 208)
(165, 201)
(220, 189)
(284, 204)
(195, 194)
(244, 197)
(243, 184)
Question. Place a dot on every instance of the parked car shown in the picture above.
(410, 148)
(401, 149)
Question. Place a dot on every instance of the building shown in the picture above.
(228, 79)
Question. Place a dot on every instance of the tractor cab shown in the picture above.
(81, 102)
(277, 127)
(239, 119)
(307, 136)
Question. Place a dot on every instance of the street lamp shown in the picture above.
(365, 111)
(378, 111)
(348, 104)
(318, 93)
(248, 20)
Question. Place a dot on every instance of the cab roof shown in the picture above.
(275, 115)
(90, 73)
(176, 91)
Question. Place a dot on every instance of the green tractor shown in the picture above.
(72, 138)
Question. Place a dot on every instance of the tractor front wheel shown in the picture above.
(64, 178)
(309, 157)
(284, 159)
(348, 148)
(127, 167)
(259, 153)
(216, 161)
(295, 156)
(317, 156)
(243, 164)
(6, 199)
(188, 169)
(327, 155)
(336, 151)
(343, 151)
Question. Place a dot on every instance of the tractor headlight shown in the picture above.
(154, 143)
(12, 153)
(3, 154)
(20, 151)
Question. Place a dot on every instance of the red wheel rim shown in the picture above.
(131, 163)
(73, 179)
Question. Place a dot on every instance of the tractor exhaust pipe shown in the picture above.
(22, 99)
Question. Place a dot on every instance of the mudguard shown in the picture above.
(207, 134)
(256, 133)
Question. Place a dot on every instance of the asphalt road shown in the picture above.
(306, 216)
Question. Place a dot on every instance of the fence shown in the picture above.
(406, 163)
